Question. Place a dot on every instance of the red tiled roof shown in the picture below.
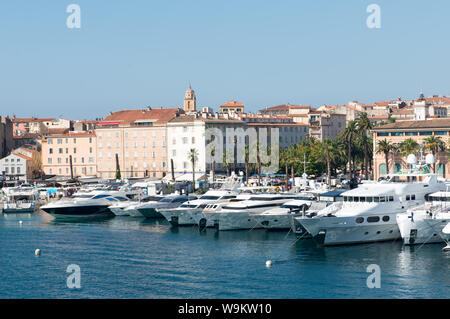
(160, 115)
(285, 107)
(232, 103)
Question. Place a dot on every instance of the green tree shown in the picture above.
(193, 156)
(348, 135)
(385, 147)
(434, 144)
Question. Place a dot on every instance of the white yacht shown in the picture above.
(239, 215)
(20, 199)
(93, 203)
(368, 213)
(128, 207)
(151, 209)
(280, 218)
(203, 218)
(184, 214)
(424, 224)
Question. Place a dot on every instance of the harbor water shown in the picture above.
(126, 257)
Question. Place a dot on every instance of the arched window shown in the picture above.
(382, 169)
(397, 168)
(441, 170)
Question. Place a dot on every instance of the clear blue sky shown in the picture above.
(131, 54)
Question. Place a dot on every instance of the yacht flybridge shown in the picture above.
(368, 213)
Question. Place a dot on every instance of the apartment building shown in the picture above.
(323, 125)
(57, 149)
(139, 138)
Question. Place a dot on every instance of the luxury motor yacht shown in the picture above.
(183, 215)
(424, 224)
(202, 218)
(20, 199)
(280, 218)
(151, 209)
(128, 207)
(368, 213)
(239, 215)
(93, 203)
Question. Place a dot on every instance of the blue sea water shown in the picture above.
(126, 257)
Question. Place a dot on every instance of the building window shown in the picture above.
(74, 150)
(411, 133)
(50, 150)
(59, 160)
(74, 141)
(440, 133)
(382, 134)
(426, 133)
(49, 160)
(382, 169)
(397, 134)
(18, 170)
(185, 140)
(60, 150)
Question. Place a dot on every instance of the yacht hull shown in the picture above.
(232, 220)
(78, 210)
(150, 213)
(178, 217)
(344, 230)
(421, 228)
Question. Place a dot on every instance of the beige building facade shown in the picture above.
(57, 149)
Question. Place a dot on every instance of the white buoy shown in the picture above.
(446, 248)
(268, 263)
(20, 222)
(37, 252)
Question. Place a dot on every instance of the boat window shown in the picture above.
(209, 197)
(345, 198)
(356, 199)
(169, 200)
(359, 220)
(373, 219)
(408, 197)
(376, 199)
(362, 199)
(292, 206)
(111, 199)
(369, 199)
(100, 196)
(391, 198)
(229, 197)
(413, 197)
(188, 206)
(122, 199)
(385, 218)
(202, 206)
(382, 199)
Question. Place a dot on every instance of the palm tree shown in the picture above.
(385, 147)
(326, 146)
(225, 162)
(284, 162)
(348, 134)
(193, 156)
(213, 164)
(434, 144)
(364, 125)
(409, 146)
(292, 155)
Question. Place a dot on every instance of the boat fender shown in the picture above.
(268, 263)
(37, 252)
